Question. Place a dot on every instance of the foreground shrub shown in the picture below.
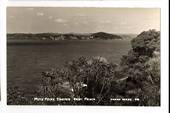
(142, 64)
(85, 77)
(16, 96)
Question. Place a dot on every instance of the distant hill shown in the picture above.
(103, 35)
(67, 36)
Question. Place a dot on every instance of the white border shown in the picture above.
(163, 4)
(87, 3)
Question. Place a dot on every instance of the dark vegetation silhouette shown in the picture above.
(66, 36)
(137, 76)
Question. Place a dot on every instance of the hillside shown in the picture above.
(67, 36)
(103, 35)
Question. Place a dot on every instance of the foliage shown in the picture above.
(59, 36)
(85, 77)
(103, 35)
(146, 42)
(143, 65)
(16, 96)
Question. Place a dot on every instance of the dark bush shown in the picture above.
(85, 77)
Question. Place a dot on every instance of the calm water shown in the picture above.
(26, 61)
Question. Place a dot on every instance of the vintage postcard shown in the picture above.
(83, 56)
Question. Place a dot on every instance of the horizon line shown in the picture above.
(64, 33)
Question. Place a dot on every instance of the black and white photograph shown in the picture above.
(94, 56)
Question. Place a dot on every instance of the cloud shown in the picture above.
(40, 14)
(115, 28)
(85, 22)
(123, 23)
(99, 27)
(30, 8)
(105, 22)
(76, 23)
(81, 15)
(65, 25)
(59, 20)
(50, 17)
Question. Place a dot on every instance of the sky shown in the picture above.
(81, 20)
